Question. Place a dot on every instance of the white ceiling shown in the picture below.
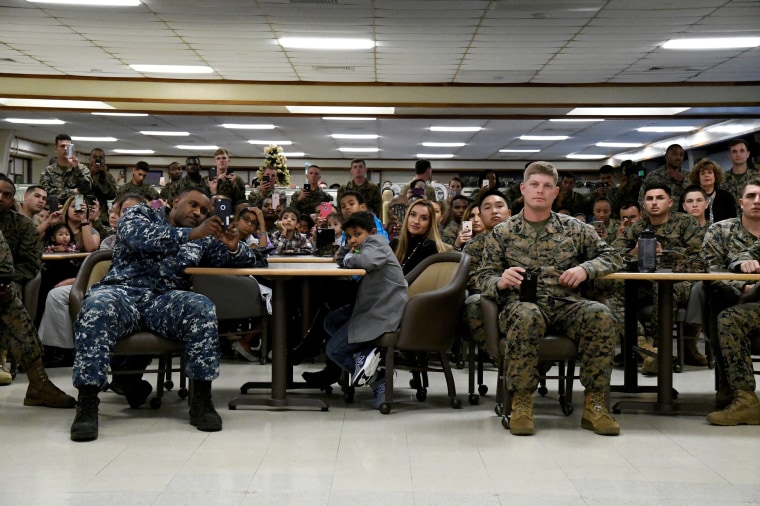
(458, 43)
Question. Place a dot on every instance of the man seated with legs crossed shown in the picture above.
(147, 289)
(564, 253)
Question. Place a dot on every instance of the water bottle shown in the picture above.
(647, 261)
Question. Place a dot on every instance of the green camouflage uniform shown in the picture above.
(62, 181)
(17, 332)
(169, 190)
(472, 313)
(429, 191)
(25, 245)
(563, 243)
(188, 182)
(676, 187)
(371, 193)
(733, 183)
(103, 188)
(234, 189)
(308, 205)
(145, 190)
(575, 202)
(736, 325)
(450, 232)
(255, 199)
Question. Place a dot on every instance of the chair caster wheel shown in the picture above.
(385, 408)
(348, 395)
(542, 390)
(421, 394)
(677, 368)
(483, 389)
(155, 403)
(456, 403)
(182, 393)
(499, 410)
(168, 385)
(567, 409)
(711, 364)
(460, 364)
(505, 422)
(413, 383)
(474, 399)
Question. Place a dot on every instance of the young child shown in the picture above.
(251, 228)
(58, 239)
(288, 240)
(380, 300)
(334, 222)
(351, 202)
(305, 224)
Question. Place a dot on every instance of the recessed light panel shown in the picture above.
(54, 104)
(269, 143)
(172, 69)
(666, 129)
(93, 139)
(247, 126)
(627, 111)
(164, 133)
(32, 121)
(330, 109)
(443, 144)
(441, 128)
(326, 43)
(134, 151)
(366, 137)
(197, 147)
(712, 43)
(543, 137)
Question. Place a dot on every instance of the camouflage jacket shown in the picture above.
(188, 182)
(256, 199)
(103, 188)
(234, 189)
(564, 243)
(575, 202)
(170, 190)
(6, 258)
(724, 242)
(450, 232)
(681, 233)
(676, 187)
(145, 190)
(62, 181)
(25, 245)
(474, 248)
(429, 191)
(309, 204)
(369, 190)
(733, 183)
(152, 254)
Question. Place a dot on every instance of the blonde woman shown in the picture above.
(419, 236)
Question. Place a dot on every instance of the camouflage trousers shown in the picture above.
(472, 317)
(590, 324)
(17, 332)
(736, 325)
(110, 313)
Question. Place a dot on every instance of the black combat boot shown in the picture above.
(202, 412)
(85, 426)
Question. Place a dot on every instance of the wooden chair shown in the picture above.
(141, 343)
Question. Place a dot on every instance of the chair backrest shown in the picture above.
(93, 269)
(436, 292)
(235, 297)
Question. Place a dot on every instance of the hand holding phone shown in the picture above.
(212, 173)
(325, 210)
(223, 209)
(52, 202)
(78, 202)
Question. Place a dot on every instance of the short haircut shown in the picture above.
(544, 168)
(603, 199)
(421, 166)
(62, 137)
(188, 189)
(568, 175)
(291, 210)
(737, 142)
(630, 203)
(460, 197)
(656, 185)
(358, 160)
(493, 193)
(606, 169)
(706, 164)
(221, 151)
(351, 193)
(129, 196)
(193, 159)
(141, 165)
(99, 150)
(695, 188)
(8, 180)
(34, 187)
(363, 220)
(173, 164)
(755, 181)
(673, 146)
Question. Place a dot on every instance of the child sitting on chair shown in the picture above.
(377, 309)
(287, 240)
(58, 239)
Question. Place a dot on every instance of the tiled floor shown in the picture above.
(423, 453)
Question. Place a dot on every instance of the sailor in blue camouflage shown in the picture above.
(147, 288)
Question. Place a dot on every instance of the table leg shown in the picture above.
(279, 396)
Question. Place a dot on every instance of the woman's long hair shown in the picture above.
(432, 234)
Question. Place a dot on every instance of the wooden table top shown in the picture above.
(63, 256)
(280, 269)
(299, 259)
(683, 276)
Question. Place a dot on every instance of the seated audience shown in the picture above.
(720, 203)
(419, 236)
(695, 204)
(251, 229)
(287, 239)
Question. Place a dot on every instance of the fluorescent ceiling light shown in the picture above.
(544, 137)
(666, 129)
(348, 118)
(355, 136)
(269, 143)
(575, 156)
(443, 144)
(134, 151)
(359, 150)
(196, 147)
(294, 154)
(434, 155)
(95, 3)
(619, 144)
(31, 121)
(164, 133)
(172, 69)
(455, 128)
(325, 43)
(627, 111)
(123, 114)
(713, 43)
(329, 109)
(519, 150)
(730, 129)
(249, 126)
(575, 120)
(94, 139)
(54, 104)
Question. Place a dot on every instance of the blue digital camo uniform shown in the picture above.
(147, 288)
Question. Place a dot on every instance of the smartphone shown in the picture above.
(162, 181)
(598, 226)
(467, 226)
(156, 204)
(212, 173)
(529, 286)
(275, 200)
(90, 199)
(418, 192)
(486, 183)
(52, 202)
(69, 151)
(306, 187)
(325, 210)
(78, 202)
(223, 209)
(265, 179)
(400, 211)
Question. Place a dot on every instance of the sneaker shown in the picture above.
(378, 390)
(366, 365)
(243, 352)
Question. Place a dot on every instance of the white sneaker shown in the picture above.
(243, 352)
(366, 365)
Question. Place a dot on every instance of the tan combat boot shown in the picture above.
(521, 419)
(596, 417)
(691, 354)
(42, 392)
(744, 410)
(5, 374)
(649, 366)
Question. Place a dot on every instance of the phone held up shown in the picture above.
(223, 209)
(52, 202)
(211, 173)
(69, 151)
